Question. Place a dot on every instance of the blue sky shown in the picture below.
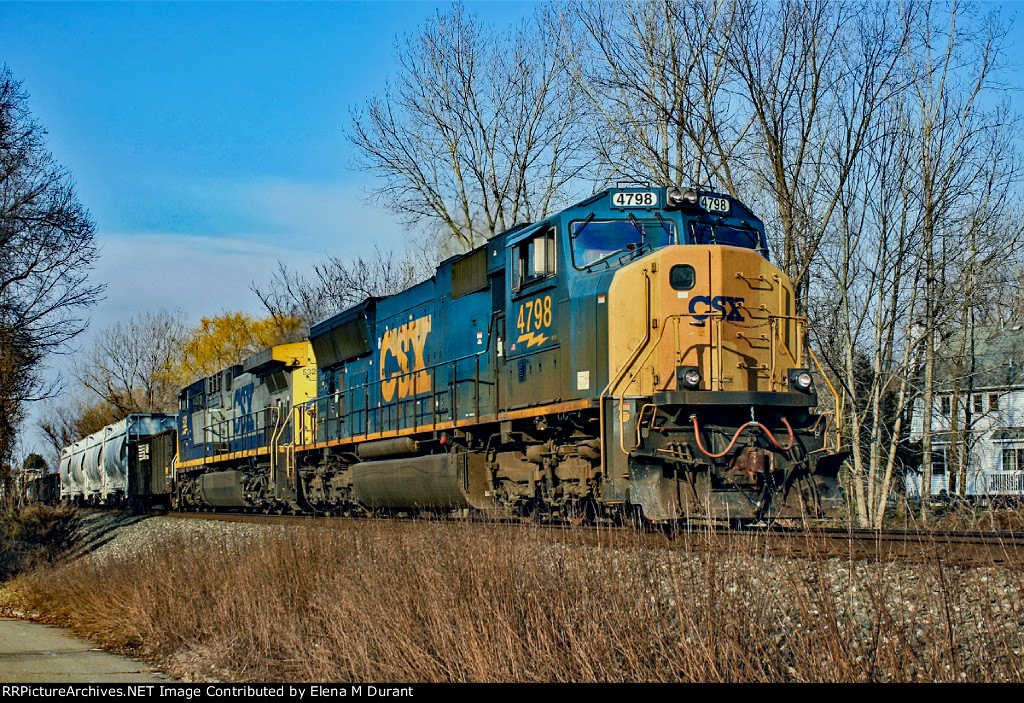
(207, 139)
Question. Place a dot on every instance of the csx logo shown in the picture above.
(245, 421)
(404, 345)
(719, 303)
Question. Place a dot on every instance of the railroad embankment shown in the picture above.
(34, 535)
(448, 601)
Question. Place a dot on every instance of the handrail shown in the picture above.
(716, 360)
(414, 398)
(835, 395)
(213, 431)
(280, 422)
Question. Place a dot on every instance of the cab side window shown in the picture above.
(534, 258)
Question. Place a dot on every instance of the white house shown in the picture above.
(988, 390)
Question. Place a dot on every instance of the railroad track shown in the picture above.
(949, 547)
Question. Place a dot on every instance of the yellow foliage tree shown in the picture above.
(225, 340)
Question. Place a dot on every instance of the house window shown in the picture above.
(938, 461)
(1013, 458)
(979, 405)
(993, 401)
(946, 404)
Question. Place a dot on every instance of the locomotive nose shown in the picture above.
(717, 318)
(710, 399)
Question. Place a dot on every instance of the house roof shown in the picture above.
(998, 358)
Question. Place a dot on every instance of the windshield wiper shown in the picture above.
(636, 223)
(755, 236)
(629, 248)
(590, 218)
(665, 226)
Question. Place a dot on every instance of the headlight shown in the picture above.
(800, 380)
(679, 198)
(689, 377)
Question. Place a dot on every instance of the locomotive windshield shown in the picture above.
(597, 241)
(727, 234)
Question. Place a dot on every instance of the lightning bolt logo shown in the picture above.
(531, 339)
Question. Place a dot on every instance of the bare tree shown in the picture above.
(338, 283)
(924, 212)
(132, 366)
(867, 143)
(861, 305)
(771, 103)
(69, 417)
(815, 76)
(479, 132)
(47, 249)
(960, 172)
(660, 94)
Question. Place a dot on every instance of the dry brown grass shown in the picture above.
(958, 514)
(451, 602)
(34, 535)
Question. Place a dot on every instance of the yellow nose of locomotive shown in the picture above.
(702, 318)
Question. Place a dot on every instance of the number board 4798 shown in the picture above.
(645, 198)
(713, 203)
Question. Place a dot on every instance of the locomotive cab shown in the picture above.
(575, 273)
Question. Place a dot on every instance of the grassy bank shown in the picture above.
(959, 515)
(35, 535)
(425, 602)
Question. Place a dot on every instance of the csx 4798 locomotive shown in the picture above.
(635, 355)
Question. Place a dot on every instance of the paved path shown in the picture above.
(34, 653)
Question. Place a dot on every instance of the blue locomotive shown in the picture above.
(634, 356)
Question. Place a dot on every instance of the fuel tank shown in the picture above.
(449, 481)
(223, 489)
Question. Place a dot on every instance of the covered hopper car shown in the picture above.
(114, 466)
